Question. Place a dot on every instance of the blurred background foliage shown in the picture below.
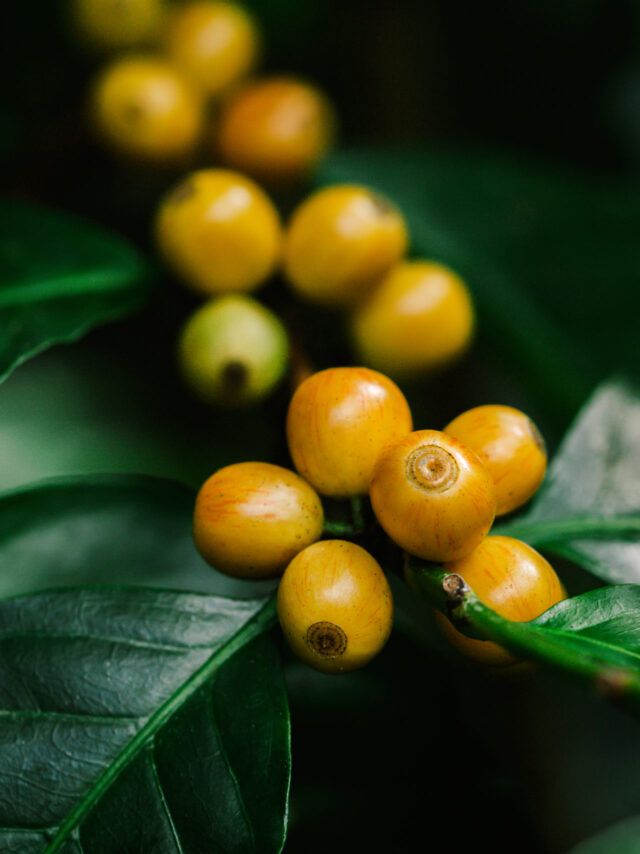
(523, 123)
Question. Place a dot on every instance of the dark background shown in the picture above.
(417, 750)
(554, 79)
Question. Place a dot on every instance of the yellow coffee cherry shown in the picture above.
(335, 606)
(510, 446)
(276, 129)
(418, 319)
(339, 421)
(433, 496)
(509, 577)
(117, 24)
(143, 107)
(233, 351)
(251, 519)
(219, 231)
(339, 243)
(214, 43)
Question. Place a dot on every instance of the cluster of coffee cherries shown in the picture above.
(343, 248)
(434, 493)
(179, 88)
(190, 94)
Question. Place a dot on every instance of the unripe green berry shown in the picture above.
(233, 351)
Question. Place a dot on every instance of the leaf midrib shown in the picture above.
(577, 527)
(258, 623)
(75, 334)
(509, 628)
(77, 284)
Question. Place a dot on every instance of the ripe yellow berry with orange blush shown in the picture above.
(219, 231)
(250, 519)
(117, 24)
(511, 447)
(145, 109)
(276, 129)
(214, 43)
(433, 496)
(339, 422)
(339, 242)
(335, 606)
(418, 319)
(514, 580)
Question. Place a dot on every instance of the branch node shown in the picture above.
(455, 589)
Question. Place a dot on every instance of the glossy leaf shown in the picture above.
(141, 720)
(105, 529)
(551, 259)
(59, 277)
(621, 838)
(594, 636)
(588, 509)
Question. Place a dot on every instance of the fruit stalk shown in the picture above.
(449, 594)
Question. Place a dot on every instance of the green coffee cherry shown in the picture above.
(233, 351)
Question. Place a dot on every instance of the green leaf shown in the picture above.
(551, 259)
(60, 277)
(621, 838)
(142, 420)
(139, 720)
(105, 529)
(594, 636)
(588, 509)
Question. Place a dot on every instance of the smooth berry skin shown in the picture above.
(338, 423)
(418, 320)
(514, 580)
(510, 446)
(233, 351)
(433, 496)
(107, 25)
(251, 519)
(144, 109)
(214, 43)
(340, 242)
(335, 606)
(276, 129)
(220, 232)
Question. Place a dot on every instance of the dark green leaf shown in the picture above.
(607, 616)
(588, 509)
(594, 636)
(139, 720)
(552, 260)
(622, 838)
(105, 529)
(114, 405)
(60, 277)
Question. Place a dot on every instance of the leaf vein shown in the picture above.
(154, 770)
(243, 635)
(119, 641)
